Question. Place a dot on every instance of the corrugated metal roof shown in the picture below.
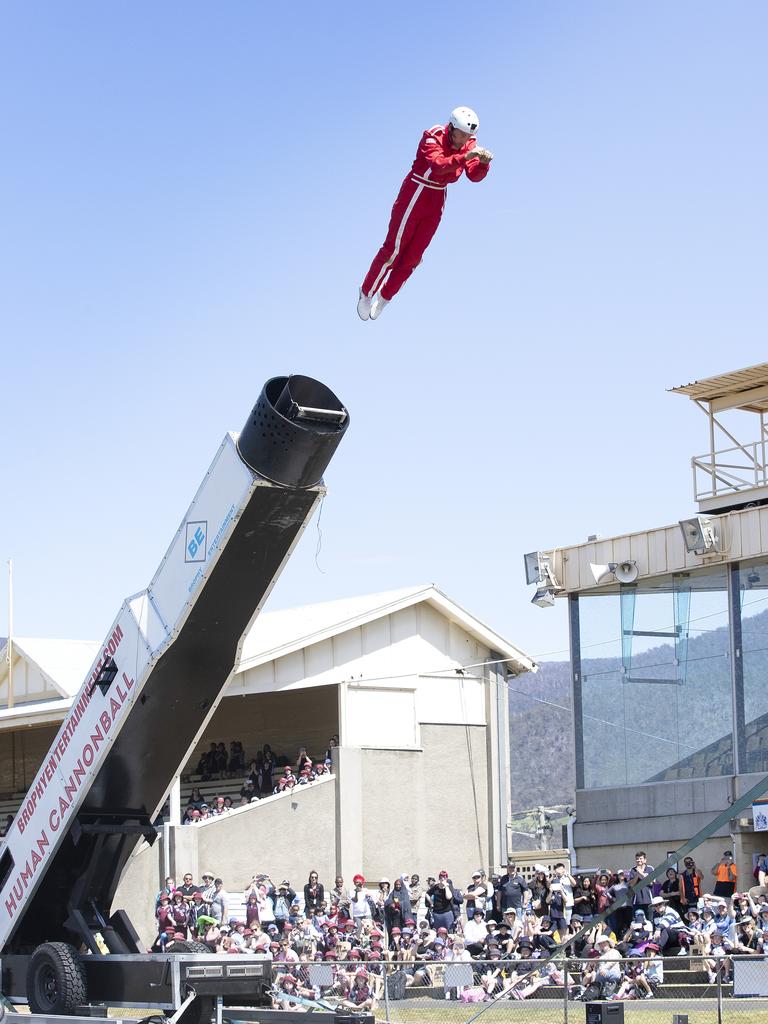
(732, 383)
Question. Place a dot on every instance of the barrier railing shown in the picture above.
(671, 990)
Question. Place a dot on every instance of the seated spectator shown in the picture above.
(637, 936)
(286, 781)
(602, 979)
(248, 791)
(748, 941)
(195, 798)
(669, 929)
(476, 932)
(718, 959)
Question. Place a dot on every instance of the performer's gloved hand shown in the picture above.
(474, 154)
(485, 156)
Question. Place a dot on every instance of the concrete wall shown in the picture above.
(286, 720)
(142, 880)
(612, 824)
(423, 812)
(286, 837)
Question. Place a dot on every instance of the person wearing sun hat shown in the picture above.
(360, 902)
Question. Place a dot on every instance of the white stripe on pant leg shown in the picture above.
(398, 240)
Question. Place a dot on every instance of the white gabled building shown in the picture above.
(411, 683)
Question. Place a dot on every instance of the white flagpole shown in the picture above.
(9, 649)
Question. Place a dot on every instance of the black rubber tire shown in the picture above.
(200, 1011)
(56, 980)
(187, 946)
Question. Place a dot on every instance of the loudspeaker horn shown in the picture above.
(626, 572)
(601, 571)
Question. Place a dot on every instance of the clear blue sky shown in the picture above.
(191, 193)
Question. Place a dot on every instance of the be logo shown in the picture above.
(197, 534)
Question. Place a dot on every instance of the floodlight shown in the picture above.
(544, 597)
(699, 534)
(536, 566)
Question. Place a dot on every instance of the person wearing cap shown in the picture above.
(639, 933)
(179, 912)
(475, 894)
(219, 902)
(724, 920)
(513, 892)
(286, 990)
(748, 940)
(726, 874)
(602, 979)
(669, 928)
(545, 937)
(164, 915)
(282, 897)
(360, 996)
(717, 959)
(476, 932)
(207, 888)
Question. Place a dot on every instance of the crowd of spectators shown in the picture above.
(265, 775)
(502, 925)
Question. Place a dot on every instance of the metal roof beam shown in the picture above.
(739, 399)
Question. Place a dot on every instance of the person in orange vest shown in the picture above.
(726, 873)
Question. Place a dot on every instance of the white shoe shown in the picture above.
(364, 306)
(378, 307)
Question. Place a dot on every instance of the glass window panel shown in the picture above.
(753, 589)
(656, 681)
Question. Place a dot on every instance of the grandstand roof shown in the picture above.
(275, 634)
(63, 663)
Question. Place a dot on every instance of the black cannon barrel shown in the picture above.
(288, 440)
(293, 430)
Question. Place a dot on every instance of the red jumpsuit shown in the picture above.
(418, 209)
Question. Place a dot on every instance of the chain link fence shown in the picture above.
(676, 990)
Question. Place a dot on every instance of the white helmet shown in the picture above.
(465, 120)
